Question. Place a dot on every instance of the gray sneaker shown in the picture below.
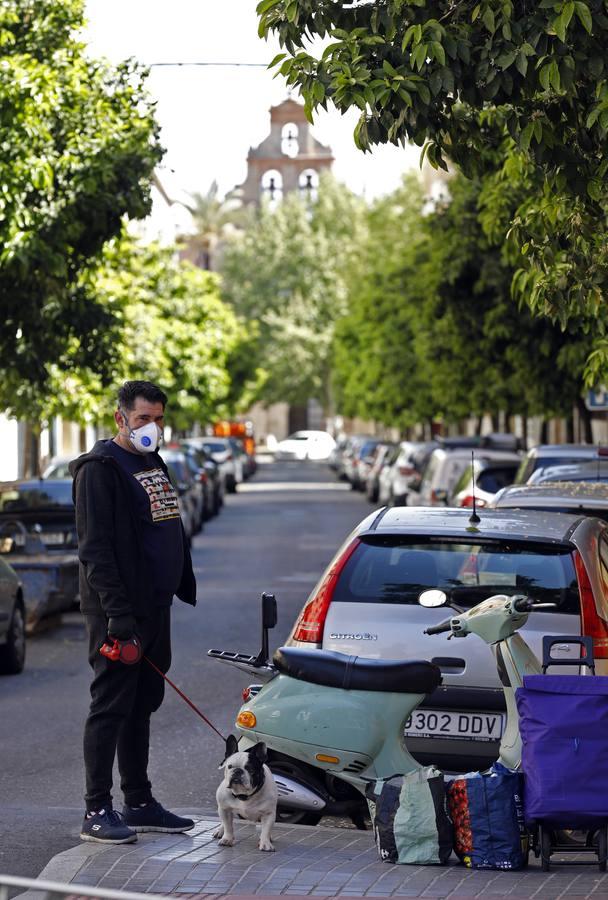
(107, 827)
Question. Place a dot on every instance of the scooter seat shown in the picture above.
(358, 673)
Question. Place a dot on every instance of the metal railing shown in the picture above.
(54, 889)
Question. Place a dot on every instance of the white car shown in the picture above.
(301, 445)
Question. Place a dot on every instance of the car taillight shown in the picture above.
(405, 470)
(591, 624)
(468, 501)
(311, 622)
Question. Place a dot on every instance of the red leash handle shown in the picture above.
(187, 700)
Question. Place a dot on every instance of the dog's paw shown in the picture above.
(265, 845)
(227, 842)
(219, 832)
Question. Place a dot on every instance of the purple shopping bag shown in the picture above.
(563, 721)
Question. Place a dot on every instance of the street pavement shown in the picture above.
(278, 533)
(307, 862)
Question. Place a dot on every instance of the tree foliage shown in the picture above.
(172, 328)
(526, 81)
(432, 331)
(286, 274)
(79, 143)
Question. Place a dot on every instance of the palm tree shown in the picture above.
(213, 218)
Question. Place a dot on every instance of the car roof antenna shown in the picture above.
(474, 518)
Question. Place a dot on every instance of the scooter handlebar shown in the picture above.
(446, 625)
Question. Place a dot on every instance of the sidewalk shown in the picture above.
(308, 862)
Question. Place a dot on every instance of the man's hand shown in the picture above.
(121, 628)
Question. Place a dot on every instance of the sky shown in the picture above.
(211, 116)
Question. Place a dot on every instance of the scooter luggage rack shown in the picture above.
(546, 839)
(249, 664)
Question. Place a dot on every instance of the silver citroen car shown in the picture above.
(366, 604)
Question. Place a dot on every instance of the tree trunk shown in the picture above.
(495, 421)
(570, 429)
(544, 432)
(31, 452)
(585, 420)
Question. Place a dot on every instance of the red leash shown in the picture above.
(129, 652)
(188, 701)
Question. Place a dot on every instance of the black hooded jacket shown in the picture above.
(114, 579)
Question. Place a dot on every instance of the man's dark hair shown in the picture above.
(130, 390)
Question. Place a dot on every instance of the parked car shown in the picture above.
(46, 509)
(589, 470)
(189, 493)
(214, 476)
(201, 481)
(242, 459)
(482, 480)
(345, 459)
(445, 467)
(221, 451)
(358, 463)
(381, 455)
(12, 621)
(583, 498)
(385, 477)
(58, 467)
(545, 455)
(404, 470)
(366, 604)
(301, 445)
(38, 539)
(334, 459)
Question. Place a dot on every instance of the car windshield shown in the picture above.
(58, 470)
(38, 495)
(390, 570)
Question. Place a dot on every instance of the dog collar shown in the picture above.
(246, 796)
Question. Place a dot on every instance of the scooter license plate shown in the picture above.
(440, 723)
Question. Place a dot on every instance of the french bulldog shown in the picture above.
(248, 790)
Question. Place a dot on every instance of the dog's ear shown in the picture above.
(232, 746)
(258, 751)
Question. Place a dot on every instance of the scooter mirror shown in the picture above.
(269, 610)
(432, 598)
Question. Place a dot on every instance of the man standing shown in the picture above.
(134, 558)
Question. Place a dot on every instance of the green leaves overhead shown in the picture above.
(79, 143)
(476, 82)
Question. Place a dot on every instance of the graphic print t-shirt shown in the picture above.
(156, 504)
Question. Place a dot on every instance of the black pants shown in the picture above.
(122, 700)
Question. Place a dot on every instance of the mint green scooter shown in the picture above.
(346, 715)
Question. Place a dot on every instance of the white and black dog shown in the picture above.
(248, 790)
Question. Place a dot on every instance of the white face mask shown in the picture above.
(146, 438)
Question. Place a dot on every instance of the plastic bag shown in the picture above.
(410, 819)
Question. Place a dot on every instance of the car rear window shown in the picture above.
(215, 447)
(394, 571)
(492, 480)
(36, 496)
